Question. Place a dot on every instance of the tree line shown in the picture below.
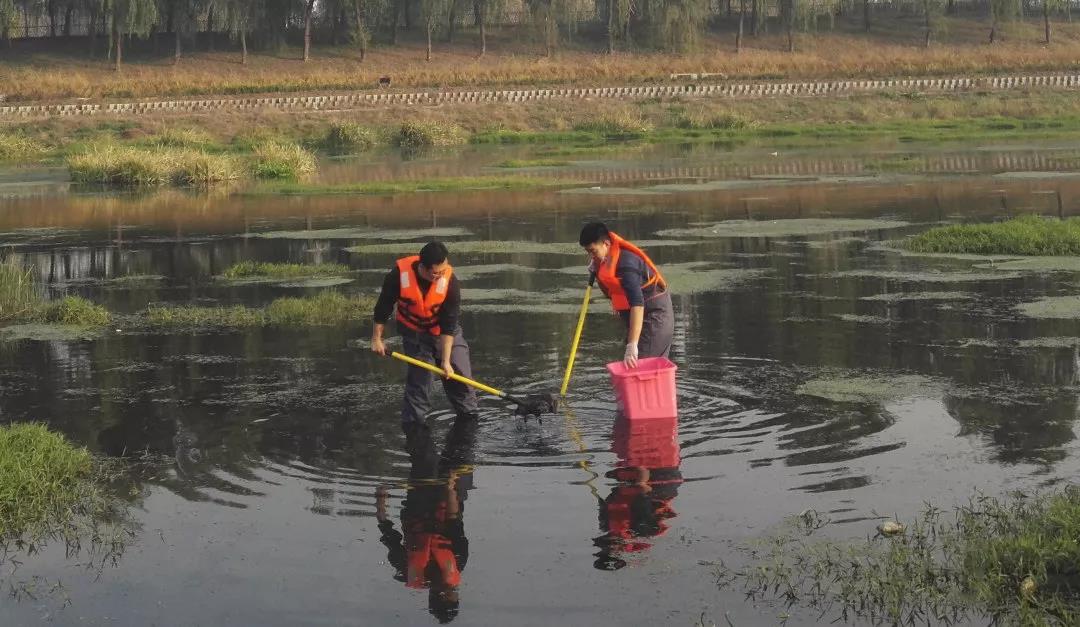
(667, 25)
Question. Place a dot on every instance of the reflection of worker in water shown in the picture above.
(423, 294)
(639, 505)
(431, 550)
(637, 291)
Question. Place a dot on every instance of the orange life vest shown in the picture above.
(425, 545)
(610, 283)
(416, 310)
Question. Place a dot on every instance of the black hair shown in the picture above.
(433, 253)
(593, 232)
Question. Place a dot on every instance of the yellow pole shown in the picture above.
(455, 376)
(577, 338)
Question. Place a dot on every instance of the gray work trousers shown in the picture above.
(425, 347)
(657, 327)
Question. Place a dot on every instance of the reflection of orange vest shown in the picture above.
(416, 310)
(424, 547)
(610, 284)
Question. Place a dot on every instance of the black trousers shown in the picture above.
(425, 347)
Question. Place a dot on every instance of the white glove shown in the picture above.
(592, 266)
(630, 357)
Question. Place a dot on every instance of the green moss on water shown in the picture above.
(37, 332)
(1035, 264)
(870, 388)
(44, 479)
(896, 297)
(781, 228)
(448, 184)
(324, 309)
(367, 233)
(697, 277)
(923, 277)
(264, 270)
(1063, 307)
(532, 163)
(1009, 561)
(477, 247)
(1028, 235)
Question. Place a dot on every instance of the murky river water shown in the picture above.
(816, 371)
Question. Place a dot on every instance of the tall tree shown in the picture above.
(675, 25)
(129, 17)
(309, 10)
(7, 20)
(1001, 11)
(486, 12)
(1048, 6)
(932, 11)
(240, 18)
(433, 15)
(739, 34)
(618, 21)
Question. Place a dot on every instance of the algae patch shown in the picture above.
(871, 388)
(1035, 264)
(50, 333)
(782, 228)
(921, 277)
(365, 233)
(1060, 307)
(476, 247)
(896, 297)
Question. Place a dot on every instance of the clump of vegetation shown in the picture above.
(349, 137)
(236, 316)
(18, 148)
(1012, 560)
(323, 309)
(19, 297)
(476, 247)
(128, 166)
(197, 167)
(416, 135)
(704, 120)
(259, 269)
(621, 125)
(123, 166)
(281, 160)
(1028, 235)
(44, 479)
(184, 137)
(76, 311)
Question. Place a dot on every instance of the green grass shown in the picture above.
(76, 311)
(279, 160)
(183, 137)
(449, 184)
(258, 269)
(622, 125)
(349, 138)
(324, 309)
(43, 479)
(703, 120)
(19, 297)
(18, 148)
(1029, 235)
(1012, 560)
(415, 135)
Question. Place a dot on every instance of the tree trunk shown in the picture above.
(118, 39)
(361, 32)
(1046, 19)
(308, 10)
(929, 25)
(482, 17)
(53, 11)
(739, 34)
(68, 16)
(866, 15)
(176, 48)
(243, 46)
(429, 29)
(754, 17)
(210, 28)
(91, 35)
(611, 26)
(407, 14)
(790, 25)
(451, 21)
(993, 29)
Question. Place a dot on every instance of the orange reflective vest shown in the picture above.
(416, 310)
(610, 283)
(424, 546)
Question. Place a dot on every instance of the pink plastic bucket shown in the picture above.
(647, 391)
